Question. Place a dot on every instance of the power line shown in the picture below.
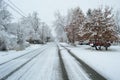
(16, 7)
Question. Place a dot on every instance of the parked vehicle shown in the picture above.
(99, 44)
(83, 43)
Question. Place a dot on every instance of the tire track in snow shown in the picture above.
(17, 57)
(91, 72)
(24, 69)
(9, 74)
(74, 71)
(47, 67)
(64, 72)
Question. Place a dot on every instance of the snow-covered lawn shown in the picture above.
(107, 63)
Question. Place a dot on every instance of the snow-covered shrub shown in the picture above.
(2, 45)
(11, 42)
(7, 41)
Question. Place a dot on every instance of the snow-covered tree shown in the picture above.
(5, 18)
(34, 30)
(74, 28)
(45, 32)
(27, 27)
(60, 24)
(100, 23)
(20, 37)
(68, 27)
(35, 23)
(31, 25)
(117, 21)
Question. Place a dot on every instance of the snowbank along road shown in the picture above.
(49, 62)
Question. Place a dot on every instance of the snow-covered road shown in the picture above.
(76, 68)
(106, 63)
(44, 67)
(47, 62)
(40, 64)
(73, 69)
(9, 67)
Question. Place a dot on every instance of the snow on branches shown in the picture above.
(97, 24)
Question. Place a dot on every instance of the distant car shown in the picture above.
(98, 44)
(83, 43)
(35, 41)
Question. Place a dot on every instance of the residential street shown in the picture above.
(47, 62)
(59, 40)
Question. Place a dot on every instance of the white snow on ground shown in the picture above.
(107, 63)
(45, 66)
(8, 67)
(73, 67)
(8, 55)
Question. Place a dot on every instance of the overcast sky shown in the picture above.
(47, 8)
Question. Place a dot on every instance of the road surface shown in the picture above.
(49, 62)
